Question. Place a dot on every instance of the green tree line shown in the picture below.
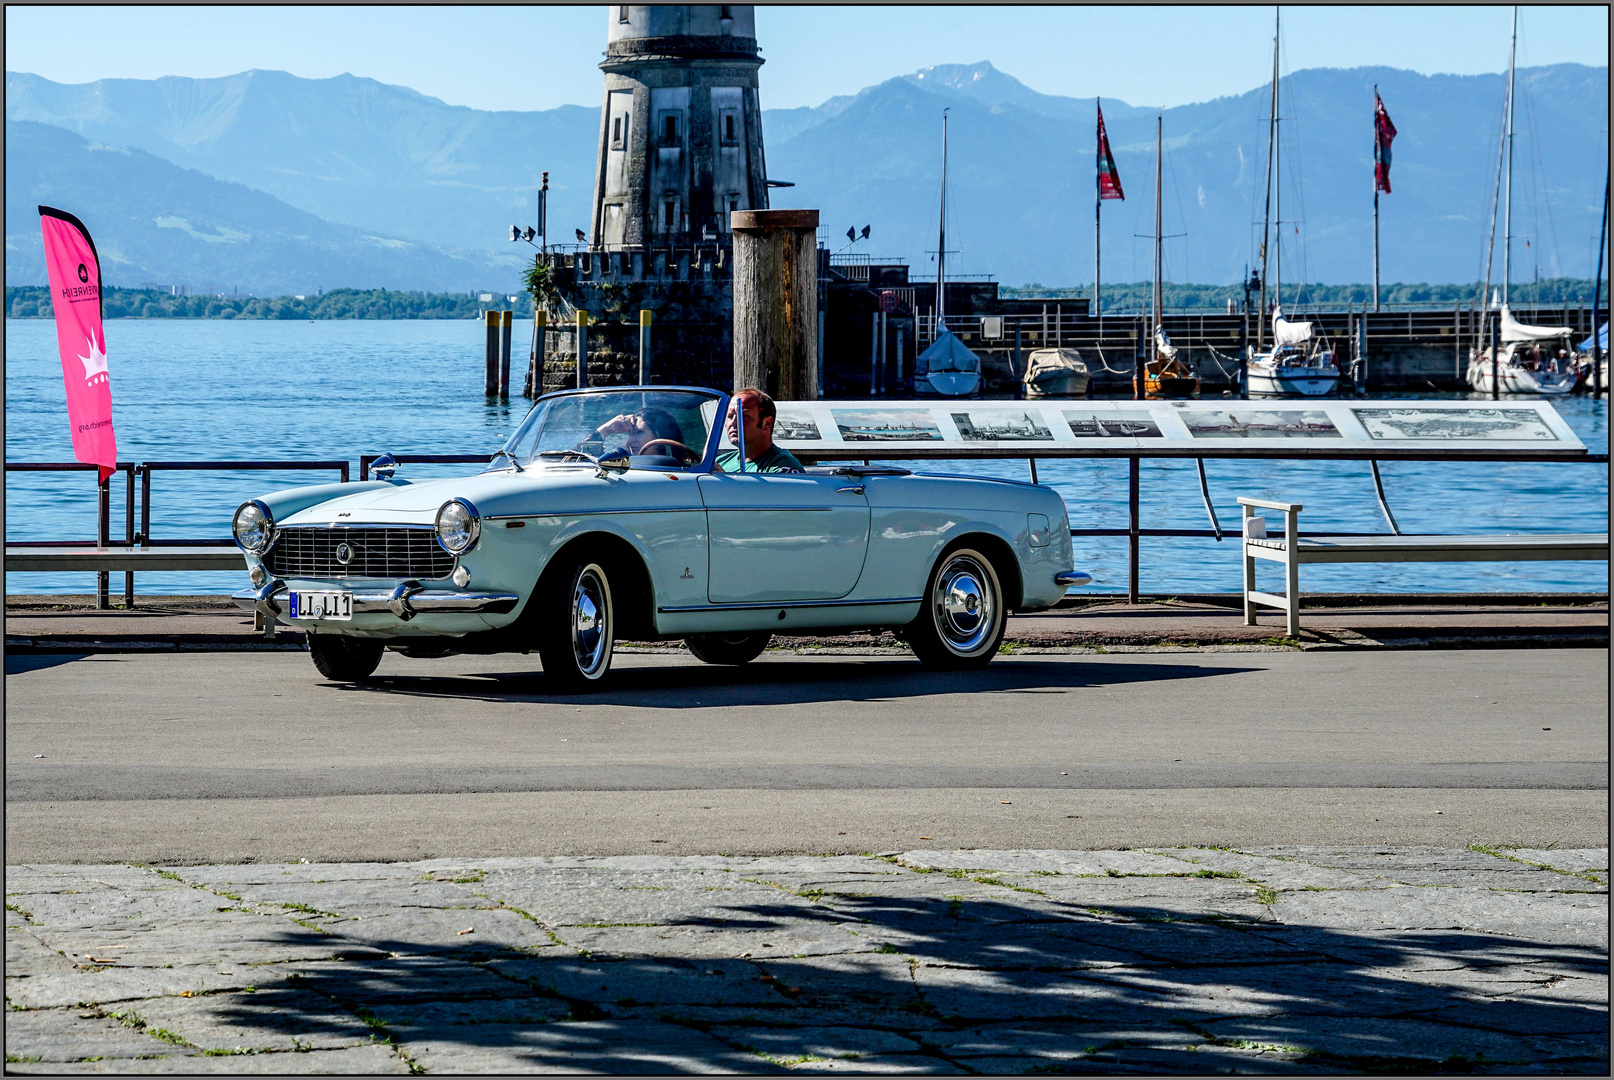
(1136, 295)
(33, 301)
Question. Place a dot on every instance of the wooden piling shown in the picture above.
(776, 302)
(506, 323)
(490, 379)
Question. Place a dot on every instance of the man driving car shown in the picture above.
(761, 454)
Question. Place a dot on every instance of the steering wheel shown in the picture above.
(679, 449)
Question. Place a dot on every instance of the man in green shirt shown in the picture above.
(761, 455)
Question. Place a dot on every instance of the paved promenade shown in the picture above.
(1179, 960)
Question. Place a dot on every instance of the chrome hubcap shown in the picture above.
(591, 622)
(965, 607)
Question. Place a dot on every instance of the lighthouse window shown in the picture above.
(616, 133)
(622, 13)
(728, 127)
(669, 214)
(725, 11)
(670, 127)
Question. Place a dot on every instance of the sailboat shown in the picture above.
(1298, 362)
(947, 367)
(1532, 359)
(1164, 373)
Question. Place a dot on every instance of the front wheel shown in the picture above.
(344, 659)
(730, 649)
(962, 623)
(579, 625)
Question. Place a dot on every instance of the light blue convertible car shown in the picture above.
(570, 540)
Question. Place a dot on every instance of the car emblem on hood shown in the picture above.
(344, 553)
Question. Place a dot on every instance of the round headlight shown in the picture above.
(458, 526)
(254, 527)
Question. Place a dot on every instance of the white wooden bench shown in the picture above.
(1291, 549)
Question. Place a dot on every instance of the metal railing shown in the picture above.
(1134, 530)
(142, 537)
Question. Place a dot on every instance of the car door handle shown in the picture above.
(858, 490)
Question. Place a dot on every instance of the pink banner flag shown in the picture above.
(75, 293)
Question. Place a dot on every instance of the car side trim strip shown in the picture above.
(788, 604)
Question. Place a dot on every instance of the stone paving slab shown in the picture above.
(1282, 960)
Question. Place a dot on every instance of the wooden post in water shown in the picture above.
(535, 366)
(490, 379)
(644, 346)
(582, 349)
(776, 302)
(506, 324)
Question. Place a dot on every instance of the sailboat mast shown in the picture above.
(1277, 177)
(1507, 198)
(1098, 205)
(1157, 238)
(941, 242)
(1266, 225)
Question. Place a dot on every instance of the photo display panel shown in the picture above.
(936, 428)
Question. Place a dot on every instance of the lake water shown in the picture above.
(211, 390)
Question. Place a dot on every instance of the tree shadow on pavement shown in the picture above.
(951, 974)
(703, 686)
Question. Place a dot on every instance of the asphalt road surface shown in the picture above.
(212, 757)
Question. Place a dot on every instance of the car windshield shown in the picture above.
(658, 429)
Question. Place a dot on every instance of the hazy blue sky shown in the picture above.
(537, 57)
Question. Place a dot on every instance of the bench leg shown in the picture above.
(1291, 588)
(1249, 587)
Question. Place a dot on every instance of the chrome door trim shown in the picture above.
(788, 604)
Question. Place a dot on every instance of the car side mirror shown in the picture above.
(383, 467)
(614, 459)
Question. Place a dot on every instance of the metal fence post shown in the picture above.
(128, 530)
(103, 537)
(1132, 530)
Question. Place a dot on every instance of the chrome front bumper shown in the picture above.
(1073, 578)
(406, 600)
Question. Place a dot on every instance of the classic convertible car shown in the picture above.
(571, 539)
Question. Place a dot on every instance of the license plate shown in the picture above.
(336, 606)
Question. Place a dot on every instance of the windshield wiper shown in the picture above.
(505, 453)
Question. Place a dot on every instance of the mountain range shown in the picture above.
(349, 176)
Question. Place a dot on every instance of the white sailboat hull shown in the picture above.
(948, 383)
(1292, 383)
(1513, 379)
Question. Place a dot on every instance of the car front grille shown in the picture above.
(373, 552)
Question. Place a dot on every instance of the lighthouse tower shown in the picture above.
(680, 128)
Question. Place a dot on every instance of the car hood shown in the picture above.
(537, 491)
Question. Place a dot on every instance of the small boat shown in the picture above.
(1533, 360)
(1529, 362)
(1297, 365)
(947, 368)
(1055, 373)
(1164, 374)
(1587, 356)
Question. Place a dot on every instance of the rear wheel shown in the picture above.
(344, 659)
(579, 625)
(961, 625)
(731, 649)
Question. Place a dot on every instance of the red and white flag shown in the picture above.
(75, 293)
(1383, 135)
(1109, 180)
